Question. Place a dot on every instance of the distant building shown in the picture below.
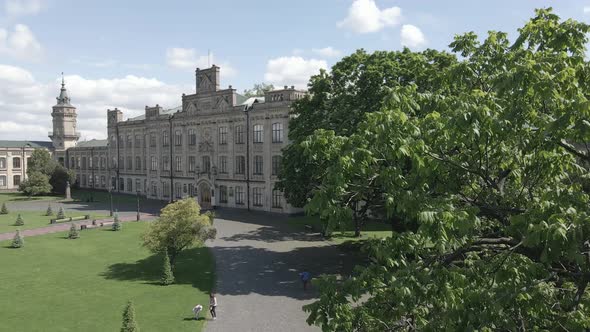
(220, 147)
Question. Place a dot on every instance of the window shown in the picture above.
(3, 162)
(191, 164)
(178, 138)
(129, 141)
(222, 194)
(222, 135)
(121, 163)
(277, 132)
(137, 141)
(137, 163)
(154, 189)
(258, 164)
(154, 163)
(258, 134)
(72, 162)
(83, 180)
(94, 162)
(83, 162)
(137, 185)
(129, 184)
(166, 189)
(165, 163)
(277, 197)
(239, 134)
(165, 138)
(178, 163)
(129, 163)
(153, 140)
(2, 180)
(178, 190)
(222, 164)
(121, 184)
(103, 181)
(276, 165)
(192, 137)
(103, 161)
(113, 162)
(240, 164)
(15, 162)
(191, 189)
(239, 195)
(257, 197)
(206, 162)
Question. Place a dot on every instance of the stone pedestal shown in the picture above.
(68, 191)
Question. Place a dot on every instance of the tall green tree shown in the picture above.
(487, 183)
(180, 226)
(60, 177)
(41, 162)
(258, 90)
(36, 184)
(338, 101)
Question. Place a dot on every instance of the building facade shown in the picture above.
(219, 147)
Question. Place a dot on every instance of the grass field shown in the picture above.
(18, 197)
(55, 284)
(371, 230)
(35, 219)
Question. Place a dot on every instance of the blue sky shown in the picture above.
(134, 53)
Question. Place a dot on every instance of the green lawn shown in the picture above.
(372, 229)
(35, 219)
(103, 196)
(17, 197)
(55, 284)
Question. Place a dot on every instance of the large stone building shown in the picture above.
(219, 147)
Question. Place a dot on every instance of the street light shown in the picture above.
(111, 200)
(138, 205)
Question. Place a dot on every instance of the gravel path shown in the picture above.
(61, 227)
(258, 260)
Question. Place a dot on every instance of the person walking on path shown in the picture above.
(197, 310)
(305, 278)
(212, 305)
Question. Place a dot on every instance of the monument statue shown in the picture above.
(68, 192)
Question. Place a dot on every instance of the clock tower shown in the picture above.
(64, 134)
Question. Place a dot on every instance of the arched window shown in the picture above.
(2, 162)
(16, 163)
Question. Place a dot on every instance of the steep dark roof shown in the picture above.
(20, 144)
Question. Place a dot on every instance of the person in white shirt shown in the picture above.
(197, 310)
(212, 305)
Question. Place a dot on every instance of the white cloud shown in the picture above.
(25, 111)
(23, 7)
(20, 43)
(187, 58)
(364, 17)
(327, 52)
(586, 9)
(412, 36)
(292, 70)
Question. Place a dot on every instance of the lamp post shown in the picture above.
(111, 200)
(138, 205)
(247, 111)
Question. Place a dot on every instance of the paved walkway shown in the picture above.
(257, 264)
(66, 226)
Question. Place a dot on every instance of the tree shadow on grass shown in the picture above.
(193, 267)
